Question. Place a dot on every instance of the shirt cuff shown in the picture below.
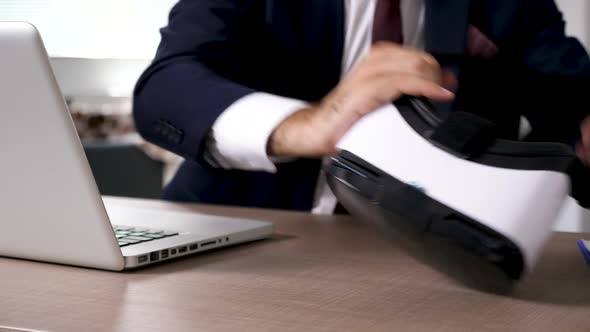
(240, 135)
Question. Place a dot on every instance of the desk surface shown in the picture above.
(317, 273)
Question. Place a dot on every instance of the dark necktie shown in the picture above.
(387, 24)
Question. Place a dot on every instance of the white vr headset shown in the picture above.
(450, 181)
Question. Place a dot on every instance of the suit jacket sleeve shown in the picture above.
(189, 83)
(558, 75)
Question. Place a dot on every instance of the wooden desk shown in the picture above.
(317, 273)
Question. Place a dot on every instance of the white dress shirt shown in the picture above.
(236, 148)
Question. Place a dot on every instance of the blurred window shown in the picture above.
(93, 28)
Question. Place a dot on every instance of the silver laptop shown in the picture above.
(50, 206)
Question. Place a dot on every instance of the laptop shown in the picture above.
(51, 209)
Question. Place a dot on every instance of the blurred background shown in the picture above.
(99, 48)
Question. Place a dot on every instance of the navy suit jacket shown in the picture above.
(214, 52)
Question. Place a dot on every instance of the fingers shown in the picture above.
(340, 113)
(415, 86)
(361, 99)
(387, 73)
(386, 58)
(394, 86)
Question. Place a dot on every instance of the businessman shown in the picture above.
(255, 93)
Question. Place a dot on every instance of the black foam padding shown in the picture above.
(464, 134)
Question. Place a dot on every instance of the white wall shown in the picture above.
(98, 77)
(577, 14)
(93, 28)
(111, 77)
(98, 47)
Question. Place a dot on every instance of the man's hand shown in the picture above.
(387, 73)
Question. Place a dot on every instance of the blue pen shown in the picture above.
(585, 248)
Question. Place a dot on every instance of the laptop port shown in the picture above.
(227, 239)
(193, 247)
(172, 252)
(181, 250)
(208, 243)
(164, 254)
(155, 256)
(142, 259)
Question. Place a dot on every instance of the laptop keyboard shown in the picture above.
(133, 235)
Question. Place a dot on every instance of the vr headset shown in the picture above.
(451, 191)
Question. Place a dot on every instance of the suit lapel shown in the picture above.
(324, 30)
(312, 32)
(445, 35)
(445, 29)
